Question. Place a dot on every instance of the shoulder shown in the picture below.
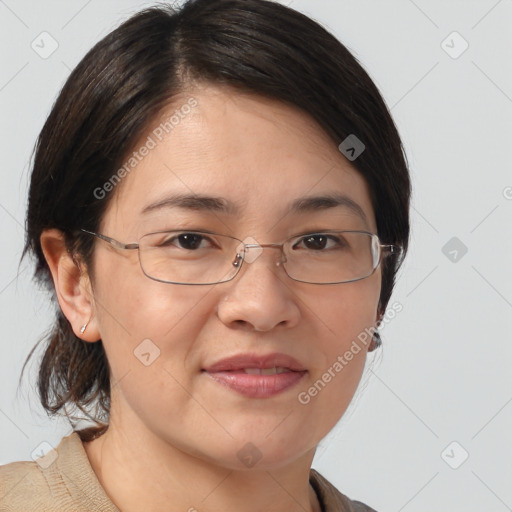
(23, 486)
(62, 480)
(333, 500)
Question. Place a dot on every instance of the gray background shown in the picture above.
(443, 374)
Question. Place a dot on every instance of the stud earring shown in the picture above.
(82, 329)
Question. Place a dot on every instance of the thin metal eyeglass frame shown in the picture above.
(389, 248)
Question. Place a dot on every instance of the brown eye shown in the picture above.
(189, 241)
(315, 242)
(320, 241)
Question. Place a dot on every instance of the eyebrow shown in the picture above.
(314, 203)
(194, 202)
(306, 204)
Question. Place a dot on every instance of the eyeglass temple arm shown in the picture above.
(392, 249)
(111, 241)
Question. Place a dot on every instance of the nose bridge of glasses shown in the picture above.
(257, 250)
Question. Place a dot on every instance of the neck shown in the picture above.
(140, 471)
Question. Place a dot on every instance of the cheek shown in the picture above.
(346, 336)
(130, 301)
(149, 331)
(138, 316)
(344, 316)
(345, 311)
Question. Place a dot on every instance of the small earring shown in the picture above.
(82, 329)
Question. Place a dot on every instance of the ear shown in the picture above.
(380, 315)
(72, 285)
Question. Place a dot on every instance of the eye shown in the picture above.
(190, 241)
(320, 242)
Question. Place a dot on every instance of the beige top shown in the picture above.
(68, 484)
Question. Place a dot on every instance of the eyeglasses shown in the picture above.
(203, 257)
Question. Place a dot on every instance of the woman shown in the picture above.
(220, 203)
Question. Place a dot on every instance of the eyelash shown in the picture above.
(203, 236)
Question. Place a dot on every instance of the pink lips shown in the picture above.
(261, 381)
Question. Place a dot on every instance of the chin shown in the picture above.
(263, 454)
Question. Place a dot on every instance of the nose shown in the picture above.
(259, 297)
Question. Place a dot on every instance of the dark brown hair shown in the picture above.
(120, 87)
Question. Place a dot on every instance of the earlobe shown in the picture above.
(72, 285)
(376, 340)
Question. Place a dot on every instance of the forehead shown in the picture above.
(259, 154)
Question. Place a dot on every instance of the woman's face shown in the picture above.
(260, 156)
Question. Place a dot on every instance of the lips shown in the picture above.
(257, 376)
(254, 361)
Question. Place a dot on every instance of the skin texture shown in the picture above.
(174, 433)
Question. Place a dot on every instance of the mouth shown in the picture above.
(263, 371)
(257, 376)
